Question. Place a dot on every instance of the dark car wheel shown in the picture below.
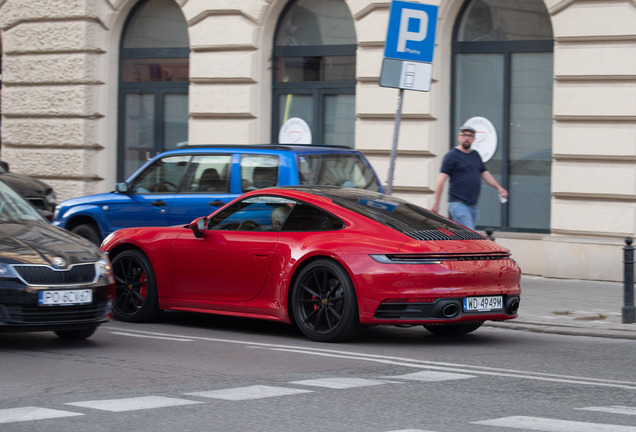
(89, 232)
(324, 303)
(453, 329)
(135, 288)
(76, 334)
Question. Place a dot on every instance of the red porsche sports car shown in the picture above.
(330, 260)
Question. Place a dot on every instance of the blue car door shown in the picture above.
(151, 194)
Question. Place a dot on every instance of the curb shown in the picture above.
(551, 328)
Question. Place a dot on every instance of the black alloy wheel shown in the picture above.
(89, 232)
(324, 303)
(135, 288)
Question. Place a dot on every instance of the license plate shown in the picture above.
(65, 297)
(483, 304)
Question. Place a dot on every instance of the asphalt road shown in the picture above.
(205, 373)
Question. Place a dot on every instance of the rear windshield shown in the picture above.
(407, 218)
(346, 170)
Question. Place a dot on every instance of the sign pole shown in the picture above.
(396, 133)
(408, 57)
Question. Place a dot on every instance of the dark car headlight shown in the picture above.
(6, 271)
(105, 270)
(51, 198)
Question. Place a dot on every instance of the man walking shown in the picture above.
(464, 167)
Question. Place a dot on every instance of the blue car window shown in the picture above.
(259, 171)
(162, 176)
(208, 174)
(332, 169)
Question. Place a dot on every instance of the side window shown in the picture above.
(163, 176)
(208, 174)
(253, 214)
(346, 170)
(304, 217)
(259, 171)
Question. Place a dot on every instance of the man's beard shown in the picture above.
(466, 145)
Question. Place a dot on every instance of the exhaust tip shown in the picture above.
(514, 306)
(450, 310)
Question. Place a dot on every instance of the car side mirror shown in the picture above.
(121, 187)
(198, 226)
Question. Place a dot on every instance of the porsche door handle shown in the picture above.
(158, 203)
(217, 203)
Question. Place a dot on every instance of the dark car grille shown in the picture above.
(39, 203)
(55, 315)
(446, 234)
(48, 276)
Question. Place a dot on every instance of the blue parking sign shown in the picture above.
(411, 33)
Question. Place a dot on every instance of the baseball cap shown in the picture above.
(467, 128)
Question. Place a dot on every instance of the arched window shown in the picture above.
(314, 72)
(153, 88)
(502, 83)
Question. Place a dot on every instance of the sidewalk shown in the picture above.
(573, 307)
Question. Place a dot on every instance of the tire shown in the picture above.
(135, 288)
(324, 303)
(76, 334)
(89, 232)
(453, 329)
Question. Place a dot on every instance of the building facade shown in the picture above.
(92, 88)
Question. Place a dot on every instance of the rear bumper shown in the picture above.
(441, 310)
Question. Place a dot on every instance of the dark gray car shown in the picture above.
(40, 194)
(50, 279)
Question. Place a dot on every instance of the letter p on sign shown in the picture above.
(411, 32)
(412, 18)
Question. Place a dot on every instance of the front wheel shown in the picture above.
(77, 334)
(89, 232)
(324, 303)
(136, 297)
(453, 329)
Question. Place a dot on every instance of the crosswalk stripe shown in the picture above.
(432, 376)
(251, 392)
(339, 383)
(613, 409)
(10, 415)
(553, 425)
(132, 404)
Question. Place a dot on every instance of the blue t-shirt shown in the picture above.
(464, 170)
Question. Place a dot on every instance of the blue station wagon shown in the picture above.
(180, 185)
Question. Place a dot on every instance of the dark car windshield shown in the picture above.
(14, 208)
(414, 221)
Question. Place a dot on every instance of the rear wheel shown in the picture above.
(76, 334)
(135, 288)
(453, 329)
(89, 232)
(324, 303)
